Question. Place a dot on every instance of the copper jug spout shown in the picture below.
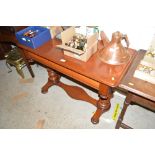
(114, 53)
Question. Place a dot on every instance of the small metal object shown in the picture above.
(13, 58)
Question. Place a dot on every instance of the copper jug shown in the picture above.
(113, 52)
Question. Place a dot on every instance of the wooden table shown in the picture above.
(93, 73)
(139, 92)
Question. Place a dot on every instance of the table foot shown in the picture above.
(96, 116)
(99, 112)
(53, 79)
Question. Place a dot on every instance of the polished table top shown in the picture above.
(94, 68)
(135, 85)
(93, 73)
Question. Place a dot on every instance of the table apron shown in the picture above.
(90, 82)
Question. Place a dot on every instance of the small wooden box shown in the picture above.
(68, 34)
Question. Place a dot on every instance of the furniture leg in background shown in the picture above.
(121, 116)
(135, 99)
(140, 92)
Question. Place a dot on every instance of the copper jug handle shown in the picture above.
(125, 37)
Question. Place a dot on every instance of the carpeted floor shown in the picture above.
(23, 106)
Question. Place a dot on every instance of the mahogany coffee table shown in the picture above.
(93, 73)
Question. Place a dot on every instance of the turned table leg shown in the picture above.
(103, 104)
(53, 79)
